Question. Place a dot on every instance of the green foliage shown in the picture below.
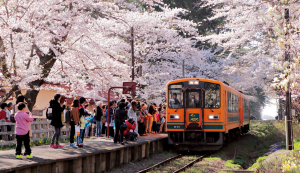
(239, 160)
(197, 15)
(258, 163)
(297, 144)
(232, 165)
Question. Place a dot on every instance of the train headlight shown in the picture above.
(174, 116)
(193, 82)
(213, 117)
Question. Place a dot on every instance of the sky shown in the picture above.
(270, 110)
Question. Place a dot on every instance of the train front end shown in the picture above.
(194, 114)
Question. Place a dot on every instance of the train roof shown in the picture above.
(208, 80)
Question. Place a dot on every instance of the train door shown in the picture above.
(225, 107)
(193, 108)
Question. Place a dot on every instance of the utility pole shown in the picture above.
(288, 120)
(132, 55)
(182, 68)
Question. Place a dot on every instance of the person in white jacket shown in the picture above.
(132, 113)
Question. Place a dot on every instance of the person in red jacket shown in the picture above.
(3, 112)
(131, 125)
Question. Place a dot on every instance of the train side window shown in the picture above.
(212, 95)
(233, 102)
(246, 108)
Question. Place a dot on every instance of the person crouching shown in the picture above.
(22, 131)
(131, 125)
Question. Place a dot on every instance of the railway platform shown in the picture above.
(98, 155)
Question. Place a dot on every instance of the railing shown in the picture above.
(40, 128)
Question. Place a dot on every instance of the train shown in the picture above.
(204, 114)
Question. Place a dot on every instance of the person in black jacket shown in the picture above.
(56, 121)
(98, 115)
(120, 117)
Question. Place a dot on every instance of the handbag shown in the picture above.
(49, 114)
(77, 130)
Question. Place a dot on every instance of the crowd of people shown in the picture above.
(124, 121)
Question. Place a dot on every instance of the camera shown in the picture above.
(130, 120)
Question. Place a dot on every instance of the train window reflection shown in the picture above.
(212, 95)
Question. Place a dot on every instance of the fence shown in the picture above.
(40, 128)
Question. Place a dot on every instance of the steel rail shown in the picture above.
(160, 163)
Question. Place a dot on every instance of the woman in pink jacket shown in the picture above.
(22, 130)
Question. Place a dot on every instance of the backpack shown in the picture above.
(49, 114)
(68, 117)
(123, 127)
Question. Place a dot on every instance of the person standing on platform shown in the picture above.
(112, 104)
(22, 131)
(144, 115)
(121, 115)
(132, 113)
(8, 114)
(74, 115)
(103, 119)
(82, 114)
(98, 116)
(158, 118)
(56, 120)
(151, 111)
(163, 120)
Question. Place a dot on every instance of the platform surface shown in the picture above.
(45, 154)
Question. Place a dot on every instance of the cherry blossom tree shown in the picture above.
(76, 43)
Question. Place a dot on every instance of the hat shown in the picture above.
(81, 100)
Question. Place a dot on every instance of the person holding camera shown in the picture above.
(131, 125)
(120, 116)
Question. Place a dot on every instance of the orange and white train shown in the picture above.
(204, 114)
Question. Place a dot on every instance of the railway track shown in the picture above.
(173, 158)
(188, 165)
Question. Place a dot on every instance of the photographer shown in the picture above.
(120, 117)
(131, 125)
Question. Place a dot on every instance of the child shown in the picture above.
(82, 126)
(22, 130)
(3, 112)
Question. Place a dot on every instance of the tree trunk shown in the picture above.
(31, 96)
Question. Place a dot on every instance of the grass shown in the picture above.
(249, 151)
(231, 164)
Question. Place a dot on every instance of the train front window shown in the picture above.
(194, 100)
(175, 96)
(212, 95)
